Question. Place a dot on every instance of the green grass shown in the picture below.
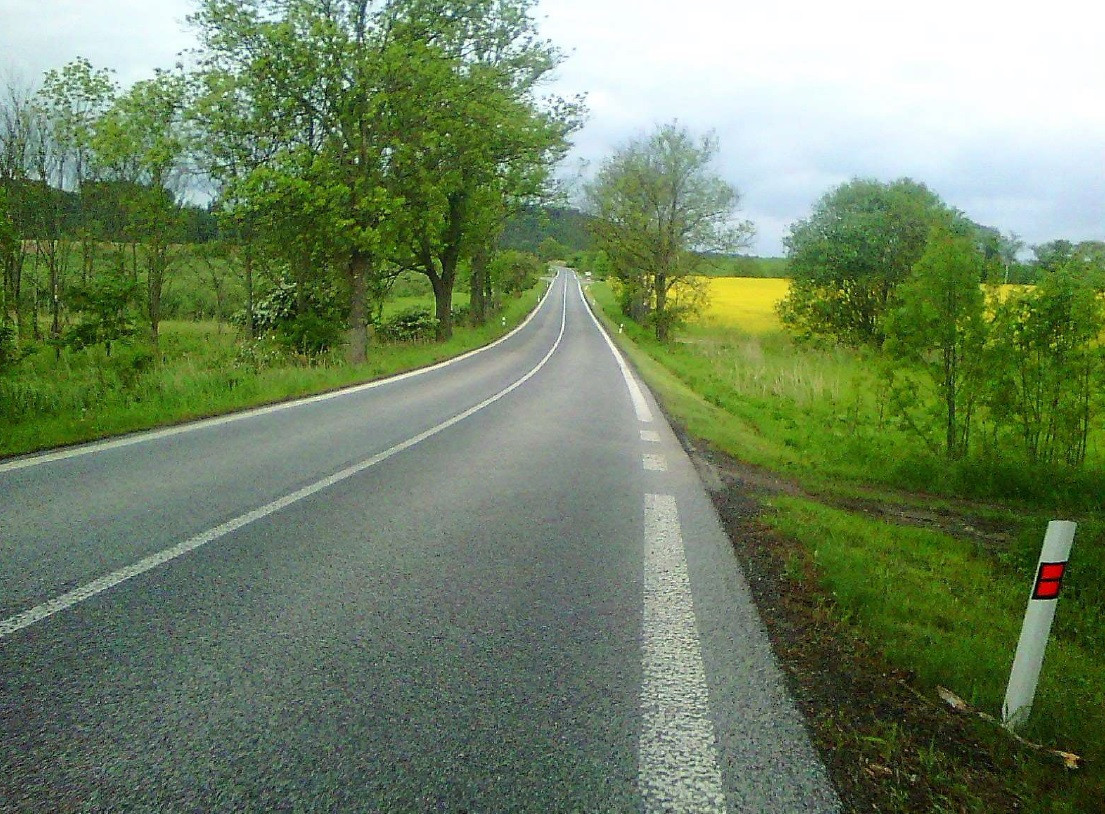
(953, 617)
(823, 416)
(203, 371)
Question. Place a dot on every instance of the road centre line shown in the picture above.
(154, 435)
(678, 768)
(108, 581)
(640, 405)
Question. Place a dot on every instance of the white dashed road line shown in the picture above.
(651, 436)
(677, 759)
(654, 463)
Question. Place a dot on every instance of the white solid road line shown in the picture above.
(677, 758)
(87, 591)
(640, 406)
(654, 463)
(153, 435)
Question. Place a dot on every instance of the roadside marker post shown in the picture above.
(1037, 623)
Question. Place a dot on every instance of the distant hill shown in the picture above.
(566, 226)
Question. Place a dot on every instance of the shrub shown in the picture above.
(416, 324)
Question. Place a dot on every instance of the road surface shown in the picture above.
(496, 585)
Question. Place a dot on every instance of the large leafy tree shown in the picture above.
(658, 206)
(301, 159)
(847, 257)
(473, 140)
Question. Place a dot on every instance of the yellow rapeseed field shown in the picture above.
(746, 303)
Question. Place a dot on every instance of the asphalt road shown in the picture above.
(497, 585)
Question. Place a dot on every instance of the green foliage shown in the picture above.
(367, 137)
(938, 326)
(416, 324)
(105, 306)
(746, 266)
(860, 242)
(514, 271)
(1046, 365)
(9, 344)
(657, 206)
(825, 414)
(304, 319)
(551, 249)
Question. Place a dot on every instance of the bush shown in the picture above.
(462, 314)
(416, 324)
(513, 272)
(9, 348)
(311, 333)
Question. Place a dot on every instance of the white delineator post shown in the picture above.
(1037, 622)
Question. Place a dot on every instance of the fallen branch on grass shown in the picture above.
(1069, 759)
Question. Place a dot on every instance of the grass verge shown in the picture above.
(203, 372)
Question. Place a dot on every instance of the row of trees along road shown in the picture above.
(83, 162)
(891, 268)
(345, 141)
(369, 138)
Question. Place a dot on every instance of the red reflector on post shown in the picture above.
(1052, 570)
(1046, 590)
(1049, 580)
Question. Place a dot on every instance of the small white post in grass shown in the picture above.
(621, 327)
(1037, 623)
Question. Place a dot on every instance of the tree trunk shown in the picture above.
(155, 280)
(443, 302)
(87, 259)
(357, 272)
(251, 327)
(479, 288)
(660, 315)
(949, 399)
(55, 297)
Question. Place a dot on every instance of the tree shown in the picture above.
(1046, 364)
(75, 98)
(847, 257)
(1053, 255)
(658, 205)
(139, 143)
(551, 249)
(475, 142)
(939, 326)
(9, 240)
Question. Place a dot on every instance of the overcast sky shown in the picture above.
(1000, 108)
